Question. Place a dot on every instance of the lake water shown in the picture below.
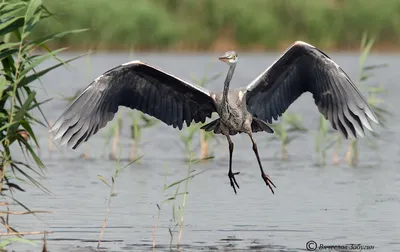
(331, 205)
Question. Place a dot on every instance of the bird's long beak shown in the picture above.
(223, 58)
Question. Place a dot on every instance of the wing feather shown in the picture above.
(304, 68)
(136, 85)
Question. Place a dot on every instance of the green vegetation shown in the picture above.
(139, 122)
(288, 129)
(178, 199)
(323, 140)
(20, 164)
(219, 24)
(205, 137)
(378, 105)
(111, 186)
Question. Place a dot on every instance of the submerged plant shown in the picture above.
(19, 61)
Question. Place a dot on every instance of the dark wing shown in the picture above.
(136, 85)
(305, 68)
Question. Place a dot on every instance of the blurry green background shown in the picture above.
(207, 25)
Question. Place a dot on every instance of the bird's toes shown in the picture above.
(233, 181)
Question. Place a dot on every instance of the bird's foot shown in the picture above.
(268, 182)
(231, 176)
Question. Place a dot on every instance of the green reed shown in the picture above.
(178, 199)
(112, 193)
(288, 129)
(22, 51)
(205, 137)
(140, 122)
(377, 104)
(324, 140)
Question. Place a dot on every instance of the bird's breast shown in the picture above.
(233, 117)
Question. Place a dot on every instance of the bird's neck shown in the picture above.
(227, 82)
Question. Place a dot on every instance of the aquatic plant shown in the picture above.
(186, 137)
(19, 58)
(178, 199)
(365, 73)
(112, 193)
(205, 136)
(289, 128)
(140, 121)
(324, 139)
(113, 134)
(178, 209)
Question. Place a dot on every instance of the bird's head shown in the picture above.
(230, 57)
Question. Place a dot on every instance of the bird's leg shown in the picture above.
(231, 175)
(265, 177)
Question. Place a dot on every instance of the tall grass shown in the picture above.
(208, 24)
(21, 53)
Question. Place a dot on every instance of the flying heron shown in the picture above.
(138, 85)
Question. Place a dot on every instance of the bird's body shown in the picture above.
(233, 115)
(138, 85)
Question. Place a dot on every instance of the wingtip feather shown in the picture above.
(371, 116)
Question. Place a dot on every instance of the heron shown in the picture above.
(138, 85)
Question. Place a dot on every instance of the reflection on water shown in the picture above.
(332, 205)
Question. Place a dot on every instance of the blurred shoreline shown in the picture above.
(220, 25)
(384, 48)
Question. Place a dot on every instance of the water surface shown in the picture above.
(331, 205)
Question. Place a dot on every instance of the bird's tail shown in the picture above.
(212, 126)
(258, 125)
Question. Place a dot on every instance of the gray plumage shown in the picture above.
(137, 85)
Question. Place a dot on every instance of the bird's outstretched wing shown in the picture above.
(304, 68)
(136, 85)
